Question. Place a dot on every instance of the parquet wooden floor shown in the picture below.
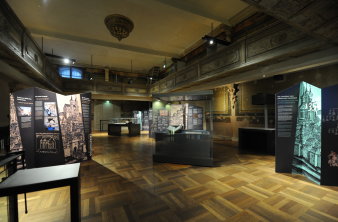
(122, 183)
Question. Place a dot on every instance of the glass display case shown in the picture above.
(124, 121)
(191, 114)
(115, 126)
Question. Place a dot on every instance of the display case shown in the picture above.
(115, 126)
(124, 121)
(193, 143)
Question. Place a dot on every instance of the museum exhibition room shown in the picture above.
(168, 110)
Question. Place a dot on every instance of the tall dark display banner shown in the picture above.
(48, 148)
(51, 128)
(330, 136)
(286, 120)
(22, 131)
(85, 104)
(307, 132)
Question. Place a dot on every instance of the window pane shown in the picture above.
(76, 73)
(64, 71)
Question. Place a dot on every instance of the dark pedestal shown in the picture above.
(181, 148)
(114, 129)
(134, 129)
(256, 140)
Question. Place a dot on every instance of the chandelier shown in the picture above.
(119, 26)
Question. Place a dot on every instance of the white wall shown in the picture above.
(105, 111)
(4, 103)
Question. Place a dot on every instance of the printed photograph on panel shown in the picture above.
(24, 111)
(72, 131)
(50, 109)
(307, 148)
(176, 115)
(333, 159)
(47, 143)
(15, 137)
(51, 123)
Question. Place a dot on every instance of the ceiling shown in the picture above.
(162, 28)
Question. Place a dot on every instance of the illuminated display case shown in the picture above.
(193, 143)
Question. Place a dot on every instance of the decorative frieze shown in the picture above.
(186, 75)
(155, 89)
(256, 46)
(313, 17)
(136, 90)
(110, 88)
(221, 60)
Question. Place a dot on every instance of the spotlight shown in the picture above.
(165, 62)
(66, 60)
(213, 40)
(91, 78)
(151, 78)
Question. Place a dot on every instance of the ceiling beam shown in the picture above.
(190, 8)
(38, 32)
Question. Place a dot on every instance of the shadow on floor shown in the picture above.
(111, 197)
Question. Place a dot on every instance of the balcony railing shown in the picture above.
(20, 50)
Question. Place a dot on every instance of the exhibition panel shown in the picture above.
(51, 128)
(306, 135)
(330, 136)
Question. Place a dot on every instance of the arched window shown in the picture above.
(70, 72)
(76, 73)
(64, 71)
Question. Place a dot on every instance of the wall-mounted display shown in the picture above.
(304, 137)
(51, 128)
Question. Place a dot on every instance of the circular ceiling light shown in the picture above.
(119, 26)
(66, 60)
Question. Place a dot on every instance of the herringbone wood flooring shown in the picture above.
(122, 184)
